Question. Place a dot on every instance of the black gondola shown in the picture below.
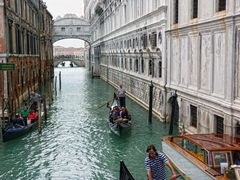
(18, 130)
(124, 172)
(116, 126)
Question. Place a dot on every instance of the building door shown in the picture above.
(219, 124)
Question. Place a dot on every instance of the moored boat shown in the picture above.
(204, 156)
(116, 123)
(18, 130)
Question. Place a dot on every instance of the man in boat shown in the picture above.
(34, 99)
(121, 95)
(155, 164)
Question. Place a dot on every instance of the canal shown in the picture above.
(76, 142)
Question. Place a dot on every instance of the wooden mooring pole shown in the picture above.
(45, 108)
(55, 86)
(60, 81)
(39, 117)
(150, 102)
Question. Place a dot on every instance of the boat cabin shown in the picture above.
(214, 153)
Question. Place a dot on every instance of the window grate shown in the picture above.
(195, 9)
(193, 110)
(219, 124)
(221, 5)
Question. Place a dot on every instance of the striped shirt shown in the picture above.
(157, 166)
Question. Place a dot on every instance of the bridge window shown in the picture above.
(78, 29)
(63, 28)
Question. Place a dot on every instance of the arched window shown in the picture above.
(125, 63)
(136, 65)
(130, 64)
(151, 67)
(142, 64)
(160, 69)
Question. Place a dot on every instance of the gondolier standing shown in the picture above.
(121, 95)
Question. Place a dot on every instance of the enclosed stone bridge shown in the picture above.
(71, 26)
(77, 60)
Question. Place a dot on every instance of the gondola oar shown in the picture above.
(105, 103)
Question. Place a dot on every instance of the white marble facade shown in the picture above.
(198, 58)
(203, 64)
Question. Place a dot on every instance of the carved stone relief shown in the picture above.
(219, 63)
(206, 62)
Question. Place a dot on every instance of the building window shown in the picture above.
(125, 63)
(219, 124)
(142, 64)
(160, 69)
(238, 129)
(221, 5)
(78, 29)
(151, 68)
(63, 29)
(153, 39)
(130, 64)
(195, 9)
(193, 116)
(136, 65)
(10, 36)
(176, 12)
(121, 62)
(18, 40)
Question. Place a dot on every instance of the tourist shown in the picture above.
(32, 116)
(155, 164)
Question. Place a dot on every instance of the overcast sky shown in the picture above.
(62, 7)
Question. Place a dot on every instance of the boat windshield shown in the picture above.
(192, 148)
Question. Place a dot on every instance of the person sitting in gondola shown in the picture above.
(115, 113)
(18, 120)
(32, 116)
(24, 113)
(124, 114)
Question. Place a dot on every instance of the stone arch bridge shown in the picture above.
(77, 60)
(71, 26)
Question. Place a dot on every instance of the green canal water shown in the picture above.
(76, 142)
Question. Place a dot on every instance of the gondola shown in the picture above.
(18, 130)
(117, 127)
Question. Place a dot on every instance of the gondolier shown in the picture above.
(121, 95)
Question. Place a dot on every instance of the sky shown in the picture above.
(62, 7)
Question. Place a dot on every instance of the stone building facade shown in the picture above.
(129, 47)
(26, 42)
(189, 49)
(203, 43)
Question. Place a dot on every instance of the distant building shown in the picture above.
(26, 42)
(68, 51)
